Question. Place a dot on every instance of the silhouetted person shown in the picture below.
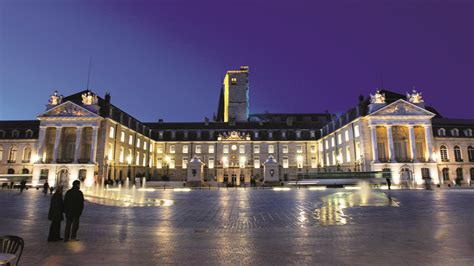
(46, 188)
(389, 182)
(22, 185)
(55, 214)
(73, 206)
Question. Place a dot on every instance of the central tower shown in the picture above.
(234, 99)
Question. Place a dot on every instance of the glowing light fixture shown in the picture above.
(281, 189)
(129, 159)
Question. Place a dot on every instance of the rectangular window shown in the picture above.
(346, 135)
(299, 149)
(225, 162)
(137, 158)
(326, 143)
(333, 157)
(185, 162)
(270, 135)
(151, 146)
(339, 138)
(185, 148)
(256, 148)
(211, 148)
(348, 154)
(339, 155)
(255, 134)
(312, 134)
(112, 132)
(313, 148)
(256, 162)
(144, 145)
(285, 162)
(284, 148)
(327, 158)
(357, 151)
(299, 162)
(225, 148)
(198, 148)
(122, 136)
(172, 163)
(333, 142)
(356, 131)
(241, 149)
(121, 154)
(172, 149)
(159, 149)
(271, 148)
(130, 156)
(110, 155)
(138, 143)
(314, 162)
(298, 134)
(381, 151)
(160, 135)
(211, 162)
(159, 163)
(130, 140)
(144, 160)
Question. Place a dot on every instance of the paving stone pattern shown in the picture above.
(236, 226)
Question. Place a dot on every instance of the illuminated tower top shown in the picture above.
(234, 100)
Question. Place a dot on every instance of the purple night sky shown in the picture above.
(167, 59)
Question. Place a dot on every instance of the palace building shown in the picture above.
(84, 136)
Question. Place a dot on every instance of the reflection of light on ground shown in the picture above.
(333, 206)
(317, 188)
(281, 188)
(181, 189)
(76, 247)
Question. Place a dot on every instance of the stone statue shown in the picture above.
(415, 97)
(377, 97)
(89, 98)
(55, 99)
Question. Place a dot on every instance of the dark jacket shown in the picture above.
(56, 207)
(73, 203)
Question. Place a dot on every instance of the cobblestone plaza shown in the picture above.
(255, 226)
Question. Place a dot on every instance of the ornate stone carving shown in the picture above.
(377, 97)
(401, 108)
(89, 98)
(415, 97)
(55, 99)
(68, 110)
(234, 135)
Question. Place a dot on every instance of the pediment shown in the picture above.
(68, 110)
(402, 108)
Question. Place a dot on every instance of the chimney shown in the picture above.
(206, 121)
(107, 97)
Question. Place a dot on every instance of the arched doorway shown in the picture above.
(406, 177)
(62, 178)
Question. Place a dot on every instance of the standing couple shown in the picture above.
(72, 206)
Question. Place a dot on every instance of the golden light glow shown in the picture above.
(35, 158)
(299, 158)
(167, 159)
(181, 189)
(226, 98)
(129, 159)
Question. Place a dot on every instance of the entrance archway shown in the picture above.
(406, 177)
(62, 178)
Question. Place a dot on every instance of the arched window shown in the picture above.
(2, 133)
(12, 154)
(445, 174)
(468, 132)
(441, 132)
(459, 174)
(25, 171)
(457, 154)
(112, 132)
(82, 174)
(15, 133)
(11, 171)
(455, 132)
(26, 154)
(470, 153)
(443, 151)
(29, 134)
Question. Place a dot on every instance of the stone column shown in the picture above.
(77, 147)
(411, 131)
(94, 144)
(375, 152)
(57, 142)
(391, 153)
(429, 146)
(41, 144)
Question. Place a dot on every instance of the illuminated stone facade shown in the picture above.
(83, 136)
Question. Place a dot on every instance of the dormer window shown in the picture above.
(198, 134)
(185, 134)
(233, 81)
(298, 134)
(312, 134)
(255, 134)
(468, 132)
(15, 133)
(173, 134)
(455, 132)
(29, 133)
(270, 134)
(160, 135)
(441, 132)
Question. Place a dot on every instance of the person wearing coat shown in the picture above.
(73, 206)
(55, 215)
